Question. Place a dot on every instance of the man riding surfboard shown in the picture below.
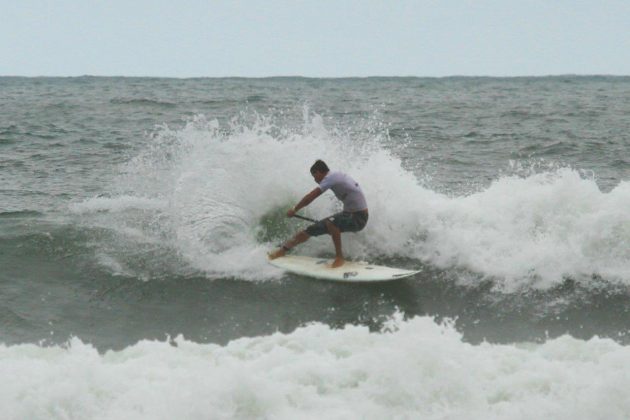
(353, 218)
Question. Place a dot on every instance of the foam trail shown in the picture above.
(212, 189)
(413, 369)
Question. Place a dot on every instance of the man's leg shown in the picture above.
(335, 233)
(299, 238)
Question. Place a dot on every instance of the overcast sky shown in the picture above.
(319, 38)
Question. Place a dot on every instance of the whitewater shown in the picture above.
(414, 368)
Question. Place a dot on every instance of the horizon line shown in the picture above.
(318, 77)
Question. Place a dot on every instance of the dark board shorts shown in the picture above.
(345, 221)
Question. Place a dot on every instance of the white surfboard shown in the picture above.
(353, 272)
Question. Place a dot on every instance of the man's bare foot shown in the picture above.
(337, 263)
(280, 252)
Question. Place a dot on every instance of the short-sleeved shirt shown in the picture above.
(346, 189)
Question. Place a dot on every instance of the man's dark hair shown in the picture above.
(319, 166)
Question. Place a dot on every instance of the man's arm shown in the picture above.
(305, 201)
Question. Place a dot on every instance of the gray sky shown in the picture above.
(323, 38)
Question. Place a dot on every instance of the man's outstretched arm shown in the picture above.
(305, 201)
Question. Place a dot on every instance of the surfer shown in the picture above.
(353, 218)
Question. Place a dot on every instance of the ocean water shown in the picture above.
(136, 213)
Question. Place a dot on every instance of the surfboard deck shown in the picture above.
(350, 272)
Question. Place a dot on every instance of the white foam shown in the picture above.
(212, 185)
(531, 231)
(416, 369)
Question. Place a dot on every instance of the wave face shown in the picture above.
(215, 195)
(412, 369)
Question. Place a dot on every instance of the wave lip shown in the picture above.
(412, 369)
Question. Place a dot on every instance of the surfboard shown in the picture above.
(351, 271)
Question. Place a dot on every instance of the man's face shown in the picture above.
(318, 176)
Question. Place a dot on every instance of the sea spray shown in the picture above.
(211, 190)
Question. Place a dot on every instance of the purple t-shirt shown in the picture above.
(346, 189)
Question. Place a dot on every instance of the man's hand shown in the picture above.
(305, 201)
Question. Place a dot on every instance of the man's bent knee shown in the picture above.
(332, 228)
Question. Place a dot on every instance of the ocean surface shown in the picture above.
(136, 214)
